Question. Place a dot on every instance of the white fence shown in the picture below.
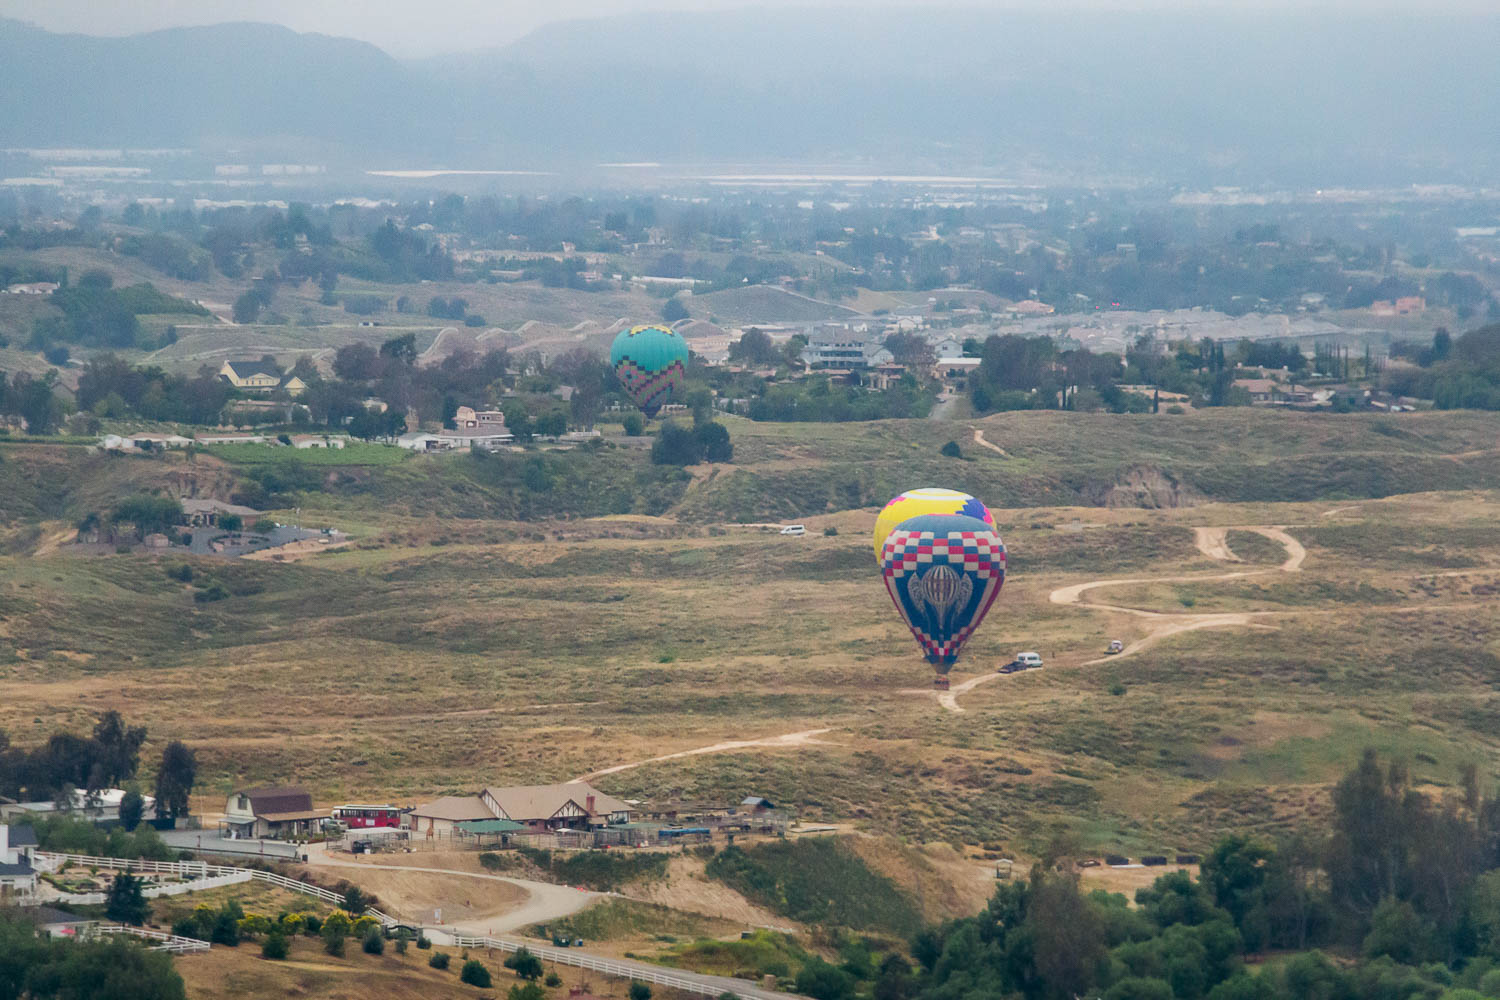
(163, 942)
(205, 876)
(712, 986)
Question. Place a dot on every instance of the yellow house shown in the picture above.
(252, 376)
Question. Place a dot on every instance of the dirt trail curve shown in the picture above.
(544, 900)
(979, 440)
(806, 738)
(1213, 543)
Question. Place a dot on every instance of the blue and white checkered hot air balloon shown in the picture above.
(943, 572)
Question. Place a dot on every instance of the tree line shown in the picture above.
(68, 764)
(1406, 883)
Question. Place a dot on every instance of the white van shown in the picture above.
(1028, 661)
(794, 529)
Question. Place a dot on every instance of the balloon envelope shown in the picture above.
(650, 361)
(943, 572)
(927, 501)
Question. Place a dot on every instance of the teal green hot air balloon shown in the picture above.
(650, 361)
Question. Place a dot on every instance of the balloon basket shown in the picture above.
(940, 682)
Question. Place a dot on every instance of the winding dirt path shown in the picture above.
(805, 738)
(979, 440)
(1212, 542)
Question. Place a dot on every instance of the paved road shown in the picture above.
(625, 967)
(211, 842)
(544, 900)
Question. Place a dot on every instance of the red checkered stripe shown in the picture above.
(904, 551)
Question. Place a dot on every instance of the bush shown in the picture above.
(183, 573)
(312, 924)
(526, 965)
(952, 450)
(275, 946)
(639, 990)
(423, 942)
(438, 959)
(333, 944)
(401, 945)
(475, 974)
(553, 979)
(374, 942)
(830, 531)
(634, 425)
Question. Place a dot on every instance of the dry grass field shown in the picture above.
(443, 652)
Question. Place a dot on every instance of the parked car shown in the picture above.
(794, 529)
(1115, 646)
(1023, 661)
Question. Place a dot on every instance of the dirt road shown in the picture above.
(802, 739)
(543, 901)
(1213, 543)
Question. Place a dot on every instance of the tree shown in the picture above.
(823, 981)
(275, 946)
(639, 990)
(247, 308)
(373, 942)
(335, 929)
(356, 900)
(402, 349)
(756, 348)
(125, 903)
(525, 964)
(673, 310)
(634, 425)
(676, 445)
(132, 806)
(910, 349)
(174, 780)
(475, 974)
(713, 442)
(119, 750)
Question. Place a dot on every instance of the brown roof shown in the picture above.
(455, 807)
(532, 802)
(290, 817)
(281, 799)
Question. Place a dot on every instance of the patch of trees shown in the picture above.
(755, 348)
(1410, 883)
(65, 969)
(171, 255)
(111, 387)
(96, 314)
(107, 758)
(818, 400)
(705, 441)
(408, 256)
(1454, 374)
(68, 761)
(31, 398)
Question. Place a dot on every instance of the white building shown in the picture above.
(17, 871)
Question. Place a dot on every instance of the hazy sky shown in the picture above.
(425, 27)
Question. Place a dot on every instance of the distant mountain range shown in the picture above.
(1222, 98)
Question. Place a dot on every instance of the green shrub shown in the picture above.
(274, 946)
(475, 974)
(639, 990)
(553, 979)
(374, 942)
(423, 942)
(438, 959)
(952, 450)
(817, 882)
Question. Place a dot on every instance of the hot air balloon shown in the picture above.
(943, 571)
(650, 361)
(927, 501)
